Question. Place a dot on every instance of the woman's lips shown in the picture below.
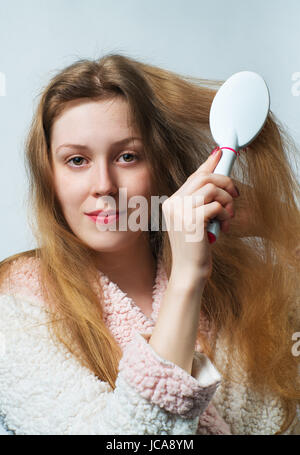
(105, 219)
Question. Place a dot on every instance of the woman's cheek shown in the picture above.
(143, 182)
(70, 189)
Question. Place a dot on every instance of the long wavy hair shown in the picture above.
(251, 297)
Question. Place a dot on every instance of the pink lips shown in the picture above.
(104, 217)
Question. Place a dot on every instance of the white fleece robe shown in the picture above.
(44, 389)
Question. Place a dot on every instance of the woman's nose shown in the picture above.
(104, 180)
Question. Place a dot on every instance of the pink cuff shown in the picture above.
(166, 384)
(211, 422)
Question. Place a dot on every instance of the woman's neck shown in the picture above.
(133, 269)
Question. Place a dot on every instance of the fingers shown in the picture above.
(205, 174)
(210, 211)
(219, 180)
(215, 210)
(211, 193)
(196, 179)
(217, 192)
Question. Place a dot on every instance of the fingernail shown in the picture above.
(226, 226)
(237, 190)
(231, 212)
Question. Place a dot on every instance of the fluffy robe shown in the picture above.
(45, 390)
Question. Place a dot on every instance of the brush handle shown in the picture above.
(223, 167)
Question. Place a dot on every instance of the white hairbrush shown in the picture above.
(237, 115)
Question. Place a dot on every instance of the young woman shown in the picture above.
(137, 330)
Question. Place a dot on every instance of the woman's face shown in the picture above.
(99, 167)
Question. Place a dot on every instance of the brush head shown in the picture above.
(239, 110)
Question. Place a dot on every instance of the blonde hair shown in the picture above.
(251, 296)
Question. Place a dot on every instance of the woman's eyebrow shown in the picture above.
(125, 141)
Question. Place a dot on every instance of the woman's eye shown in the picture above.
(126, 155)
(77, 159)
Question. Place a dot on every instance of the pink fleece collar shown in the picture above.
(122, 315)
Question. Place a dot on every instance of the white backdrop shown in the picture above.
(204, 39)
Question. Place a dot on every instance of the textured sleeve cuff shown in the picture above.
(211, 423)
(164, 383)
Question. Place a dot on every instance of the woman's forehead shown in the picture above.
(83, 121)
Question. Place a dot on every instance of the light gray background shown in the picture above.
(204, 39)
